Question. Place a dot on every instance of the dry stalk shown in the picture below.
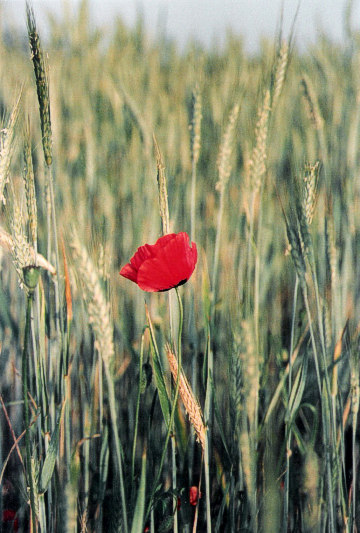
(97, 307)
(163, 196)
(6, 148)
(29, 183)
(191, 405)
(280, 71)
(195, 126)
(311, 103)
(6, 242)
(257, 167)
(224, 162)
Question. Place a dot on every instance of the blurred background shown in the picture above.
(206, 21)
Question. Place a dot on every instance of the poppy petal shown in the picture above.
(174, 263)
(163, 265)
(129, 272)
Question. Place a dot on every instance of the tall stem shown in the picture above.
(118, 447)
(207, 416)
(173, 437)
(173, 409)
(288, 442)
(25, 357)
(137, 410)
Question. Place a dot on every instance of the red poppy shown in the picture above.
(164, 265)
(194, 495)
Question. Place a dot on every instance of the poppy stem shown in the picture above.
(173, 437)
(173, 408)
(181, 318)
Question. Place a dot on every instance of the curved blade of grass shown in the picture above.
(51, 454)
(297, 389)
(138, 520)
(158, 373)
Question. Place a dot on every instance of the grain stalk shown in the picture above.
(191, 404)
(301, 246)
(171, 418)
(288, 431)
(355, 396)
(224, 164)
(43, 94)
(42, 84)
(280, 71)
(257, 169)
(164, 215)
(99, 317)
(315, 117)
(7, 146)
(31, 278)
(30, 193)
(195, 146)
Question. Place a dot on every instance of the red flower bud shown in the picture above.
(194, 495)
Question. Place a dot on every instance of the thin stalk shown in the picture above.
(257, 274)
(192, 334)
(25, 356)
(193, 201)
(137, 409)
(354, 465)
(58, 306)
(174, 484)
(173, 436)
(38, 376)
(329, 429)
(173, 409)
(326, 435)
(197, 505)
(207, 416)
(312, 336)
(217, 243)
(193, 339)
(250, 245)
(288, 442)
(118, 448)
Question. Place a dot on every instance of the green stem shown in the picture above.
(256, 282)
(137, 409)
(118, 447)
(173, 438)
(193, 200)
(325, 418)
(59, 311)
(25, 357)
(217, 245)
(288, 429)
(207, 416)
(354, 465)
(173, 409)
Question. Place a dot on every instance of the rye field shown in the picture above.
(214, 385)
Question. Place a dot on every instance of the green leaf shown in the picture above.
(138, 520)
(104, 463)
(50, 458)
(159, 374)
(298, 389)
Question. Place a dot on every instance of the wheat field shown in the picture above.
(231, 403)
